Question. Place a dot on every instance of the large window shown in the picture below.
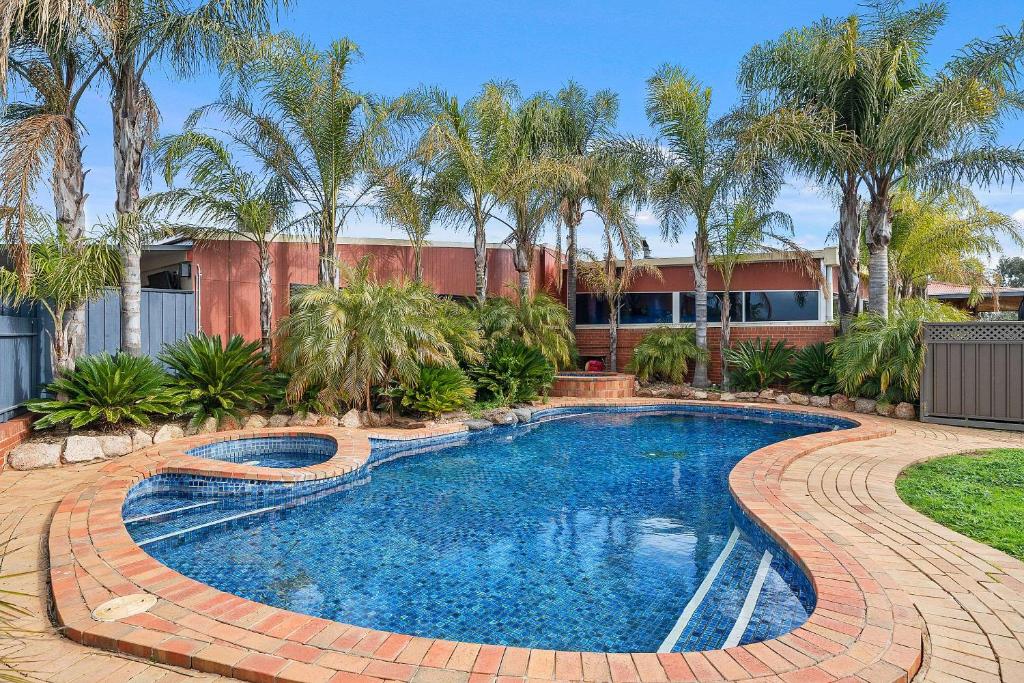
(591, 310)
(643, 308)
(688, 308)
(782, 306)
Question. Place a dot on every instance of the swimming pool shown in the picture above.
(270, 451)
(608, 531)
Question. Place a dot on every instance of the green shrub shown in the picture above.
(105, 391)
(755, 365)
(664, 353)
(813, 370)
(215, 380)
(513, 373)
(437, 390)
(883, 357)
(540, 321)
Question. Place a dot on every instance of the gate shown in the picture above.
(167, 316)
(20, 357)
(974, 374)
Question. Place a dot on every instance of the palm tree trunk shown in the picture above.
(849, 252)
(480, 259)
(522, 264)
(69, 208)
(571, 265)
(879, 234)
(326, 272)
(417, 263)
(266, 305)
(613, 335)
(129, 145)
(700, 277)
(724, 342)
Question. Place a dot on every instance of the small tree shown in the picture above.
(65, 274)
(412, 200)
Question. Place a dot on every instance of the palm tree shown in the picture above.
(540, 321)
(697, 167)
(223, 199)
(65, 274)
(463, 141)
(346, 342)
(139, 35)
(412, 199)
(579, 123)
(297, 114)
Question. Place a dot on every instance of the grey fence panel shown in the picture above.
(19, 358)
(167, 315)
(974, 374)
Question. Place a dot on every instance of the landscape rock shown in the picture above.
(523, 414)
(799, 399)
(885, 409)
(767, 394)
(300, 420)
(865, 406)
(699, 395)
(746, 395)
(207, 426)
(141, 439)
(783, 399)
(255, 422)
(278, 421)
(228, 424)
(819, 401)
(501, 416)
(168, 432)
(352, 419)
(840, 402)
(82, 449)
(116, 445)
(905, 411)
(682, 391)
(714, 396)
(327, 421)
(478, 425)
(727, 396)
(34, 456)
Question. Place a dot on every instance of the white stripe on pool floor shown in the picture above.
(702, 590)
(207, 524)
(733, 639)
(168, 512)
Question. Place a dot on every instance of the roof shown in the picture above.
(179, 243)
(949, 290)
(828, 255)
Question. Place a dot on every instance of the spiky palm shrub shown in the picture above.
(759, 364)
(107, 391)
(217, 380)
(884, 357)
(437, 390)
(813, 370)
(460, 327)
(540, 321)
(665, 353)
(513, 373)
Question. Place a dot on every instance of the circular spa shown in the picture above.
(604, 530)
(270, 451)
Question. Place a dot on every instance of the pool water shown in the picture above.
(270, 451)
(608, 532)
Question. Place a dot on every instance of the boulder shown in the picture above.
(228, 424)
(840, 402)
(82, 449)
(352, 419)
(34, 456)
(726, 396)
(885, 409)
(865, 406)
(116, 445)
(682, 391)
(523, 414)
(746, 395)
(699, 395)
(819, 401)
(783, 399)
(799, 399)
(278, 421)
(255, 422)
(767, 394)
(207, 426)
(501, 416)
(714, 396)
(327, 421)
(168, 432)
(141, 439)
(478, 425)
(905, 411)
(300, 420)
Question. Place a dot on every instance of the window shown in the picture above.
(688, 308)
(591, 309)
(646, 308)
(782, 306)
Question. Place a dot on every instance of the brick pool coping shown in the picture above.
(859, 630)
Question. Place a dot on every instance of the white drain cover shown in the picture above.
(124, 607)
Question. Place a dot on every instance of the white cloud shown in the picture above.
(1018, 215)
(646, 218)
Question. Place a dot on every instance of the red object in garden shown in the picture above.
(594, 366)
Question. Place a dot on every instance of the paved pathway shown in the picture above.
(971, 597)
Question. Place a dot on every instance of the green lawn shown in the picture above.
(981, 495)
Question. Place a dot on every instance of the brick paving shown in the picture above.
(895, 591)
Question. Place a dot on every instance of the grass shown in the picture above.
(980, 495)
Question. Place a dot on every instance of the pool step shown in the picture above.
(720, 610)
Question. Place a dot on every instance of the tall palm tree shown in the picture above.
(697, 167)
(297, 113)
(412, 199)
(224, 200)
(579, 123)
(140, 35)
(463, 141)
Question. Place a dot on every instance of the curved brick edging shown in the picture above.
(857, 628)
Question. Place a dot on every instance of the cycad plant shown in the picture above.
(760, 363)
(217, 380)
(361, 338)
(512, 373)
(813, 370)
(665, 353)
(107, 391)
(884, 357)
(437, 390)
(540, 321)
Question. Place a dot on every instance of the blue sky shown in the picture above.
(459, 44)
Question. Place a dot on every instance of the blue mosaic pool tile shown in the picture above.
(270, 451)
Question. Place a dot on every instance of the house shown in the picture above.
(992, 299)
